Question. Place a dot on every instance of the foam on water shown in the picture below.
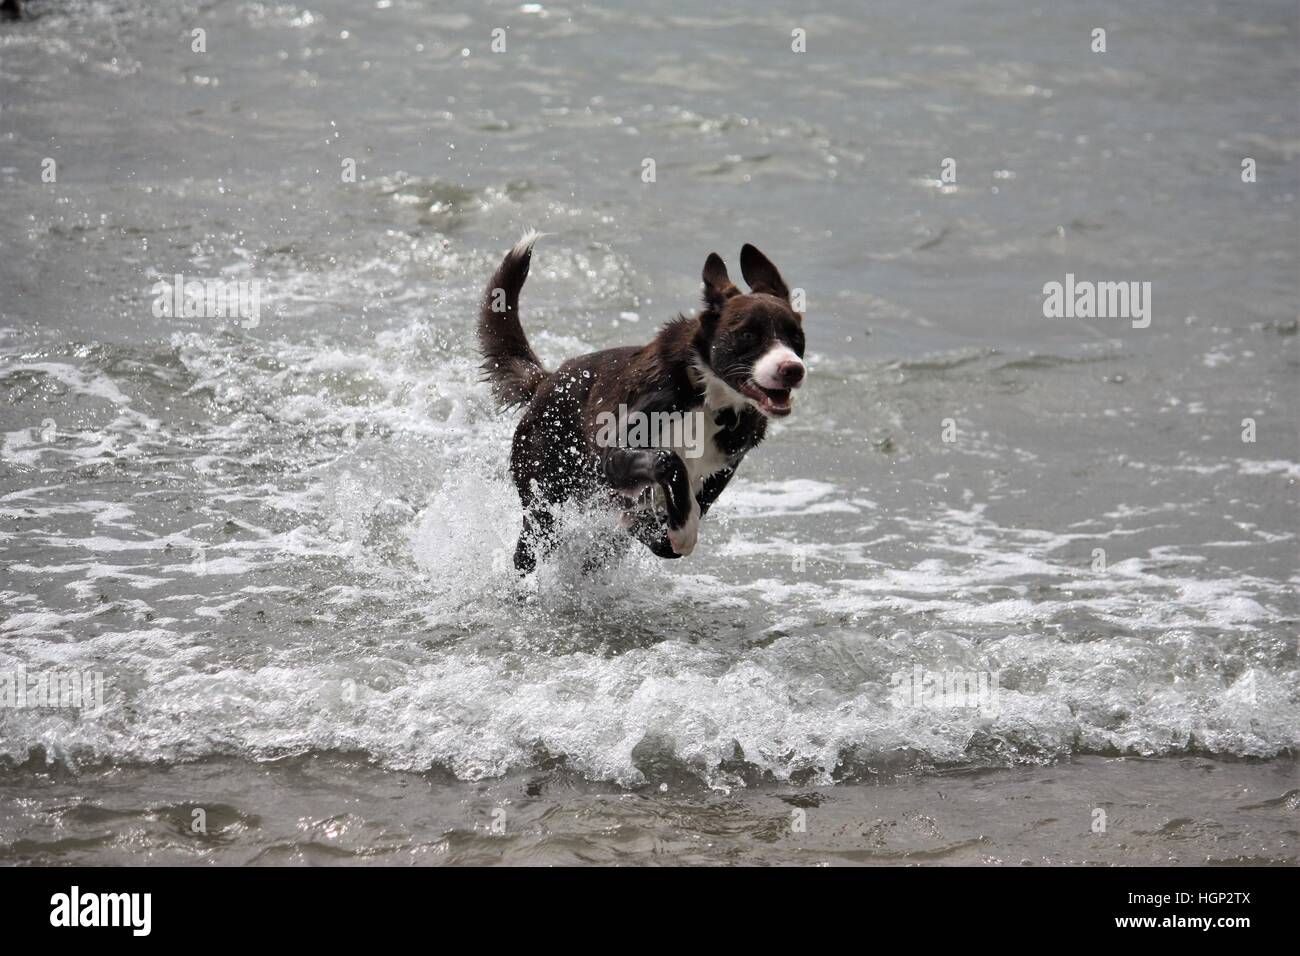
(315, 556)
(296, 538)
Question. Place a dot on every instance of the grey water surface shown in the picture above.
(282, 540)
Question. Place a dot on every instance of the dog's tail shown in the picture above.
(509, 361)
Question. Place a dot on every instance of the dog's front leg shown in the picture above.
(713, 486)
(537, 536)
(645, 527)
(630, 470)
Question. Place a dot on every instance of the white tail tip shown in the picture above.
(526, 241)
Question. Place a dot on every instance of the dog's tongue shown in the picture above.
(778, 403)
(774, 401)
(778, 396)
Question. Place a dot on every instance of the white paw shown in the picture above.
(683, 539)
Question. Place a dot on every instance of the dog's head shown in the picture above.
(752, 343)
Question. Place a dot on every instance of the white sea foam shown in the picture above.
(324, 563)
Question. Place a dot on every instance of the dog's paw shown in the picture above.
(683, 539)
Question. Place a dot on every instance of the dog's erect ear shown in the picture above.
(718, 287)
(761, 274)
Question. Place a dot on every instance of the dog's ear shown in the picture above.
(761, 275)
(718, 287)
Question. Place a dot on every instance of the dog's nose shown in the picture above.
(790, 373)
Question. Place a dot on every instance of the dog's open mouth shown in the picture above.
(772, 401)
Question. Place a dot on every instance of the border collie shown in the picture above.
(733, 366)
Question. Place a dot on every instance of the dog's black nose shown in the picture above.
(790, 373)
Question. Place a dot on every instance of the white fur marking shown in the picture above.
(698, 469)
(765, 369)
(717, 393)
(526, 241)
(684, 538)
(711, 459)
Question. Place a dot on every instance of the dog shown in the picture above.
(733, 366)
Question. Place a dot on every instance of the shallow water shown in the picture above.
(289, 541)
(329, 809)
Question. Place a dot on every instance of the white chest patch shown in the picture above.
(709, 458)
(702, 457)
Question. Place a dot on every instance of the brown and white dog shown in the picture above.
(732, 366)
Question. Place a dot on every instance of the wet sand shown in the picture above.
(333, 810)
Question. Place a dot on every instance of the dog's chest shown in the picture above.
(708, 456)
